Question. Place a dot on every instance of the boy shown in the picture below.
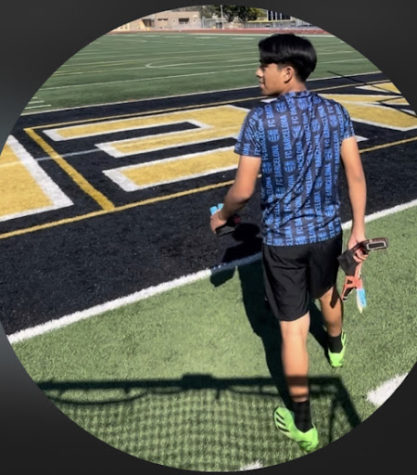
(296, 139)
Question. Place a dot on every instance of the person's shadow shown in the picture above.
(257, 309)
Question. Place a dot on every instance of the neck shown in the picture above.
(295, 86)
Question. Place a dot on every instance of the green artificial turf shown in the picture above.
(190, 378)
(136, 66)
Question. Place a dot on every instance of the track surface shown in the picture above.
(51, 267)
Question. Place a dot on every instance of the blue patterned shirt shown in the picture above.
(298, 137)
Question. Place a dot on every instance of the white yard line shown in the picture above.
(138, 57)
(158, 289)
(38, 106)
(153, 78)
(250, 67)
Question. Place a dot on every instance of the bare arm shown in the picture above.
(240, 192)
(357, 190)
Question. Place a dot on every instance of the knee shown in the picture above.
(296, 328)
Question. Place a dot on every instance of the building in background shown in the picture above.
(167, 20)
(206, 18)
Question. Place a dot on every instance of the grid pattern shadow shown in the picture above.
(199, 422)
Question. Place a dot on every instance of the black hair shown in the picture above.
(289, 49)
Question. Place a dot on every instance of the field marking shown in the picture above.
(344, 61)
(96, 195)
(187, 94)
(163, 198)
(175, 65)
(64, 74)
(111, 147)
(130, 183)
(102, 212)
(70, 154)
(211, 123)
(137, 56)
(37, 106)
(251, 466)
(69, 68)
(374, 109)
(192, 106)
(114, 126)
(122, 301)
(383, 392)
(64, 321)
(153, 78)
(157, 199)
(51, 191)
(387, 145)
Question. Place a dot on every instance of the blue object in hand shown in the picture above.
(231, 224)
(216, 208)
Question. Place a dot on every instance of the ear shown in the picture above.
(289, 73)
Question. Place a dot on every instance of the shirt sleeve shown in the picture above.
(347, 126)
(248, 141)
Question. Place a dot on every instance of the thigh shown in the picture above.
(323, 266)
(285, 280)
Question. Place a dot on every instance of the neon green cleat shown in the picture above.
(336, 359)
(284, 421)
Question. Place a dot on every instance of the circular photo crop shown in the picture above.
(175, 199)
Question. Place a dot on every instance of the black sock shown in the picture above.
(335, 343)
(302, 415)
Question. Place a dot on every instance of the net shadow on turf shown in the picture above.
(198, 422)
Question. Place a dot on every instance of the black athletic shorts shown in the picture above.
(295, 275)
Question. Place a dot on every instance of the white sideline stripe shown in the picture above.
(387, 212)
(383, 392)
(132, 298)
(251, 466)
(160, 288)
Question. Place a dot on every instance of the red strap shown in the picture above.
(352, 282)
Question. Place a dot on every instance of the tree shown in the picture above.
(248, 14)
(229, 12)
(232, 11)
(207, 11)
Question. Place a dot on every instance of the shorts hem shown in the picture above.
(291, 319)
